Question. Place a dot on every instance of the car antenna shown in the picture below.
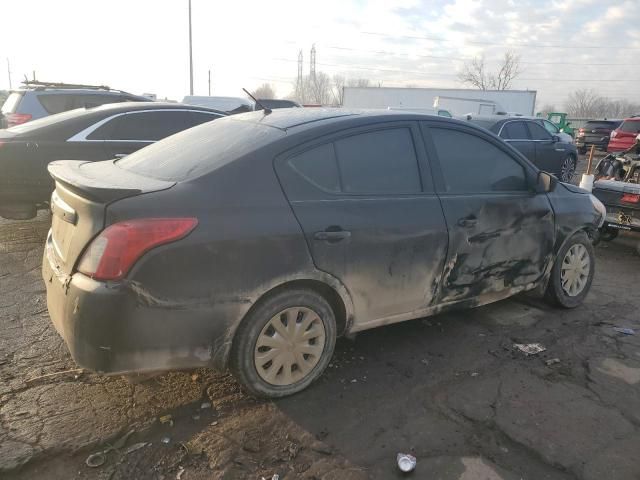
(267, 111)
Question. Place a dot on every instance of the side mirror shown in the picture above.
(555, 138)
(546, 183)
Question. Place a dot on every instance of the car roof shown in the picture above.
(290, 118)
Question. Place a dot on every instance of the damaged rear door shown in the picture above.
(501, 234)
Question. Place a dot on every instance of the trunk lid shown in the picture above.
(79, 202)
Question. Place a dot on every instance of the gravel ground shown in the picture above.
(450, 389)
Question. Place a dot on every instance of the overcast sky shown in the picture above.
(142, 45)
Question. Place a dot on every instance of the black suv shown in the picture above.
(596, 132)
(41, 99)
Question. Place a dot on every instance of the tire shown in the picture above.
(257, 337)
(561, 296)
(582, 150)
(608, 234)
(568, 168)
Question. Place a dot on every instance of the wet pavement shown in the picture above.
(451, 390)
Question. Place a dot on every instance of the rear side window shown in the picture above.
(471, 164)
(57, 103)
(515, 131)
(143, 126)
(382, 162)
(11, 103)
(630, 126)
(537, 132)
(319, 167)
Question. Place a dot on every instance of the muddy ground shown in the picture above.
(450, 389)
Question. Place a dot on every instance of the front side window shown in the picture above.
(550, 127)
(471, 164)
(537, 132)
(379, 162)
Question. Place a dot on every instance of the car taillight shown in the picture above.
(14, 119)
(613, 134)
(111, 254)
(630, 198)
(581, 132)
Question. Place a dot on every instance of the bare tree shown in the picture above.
(585, 103)
(338, 89)
(359, 82)
(265, 90)
(547, 108)
(475, 73)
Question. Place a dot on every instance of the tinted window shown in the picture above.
(199, 150)
(318, 166)
(601, 125)
(471, 164)
(197, 118)
(550, 127)
(630, 126)
(514, 131)
(537, 132)
(143, 126)
(378, 162)
(57, 103)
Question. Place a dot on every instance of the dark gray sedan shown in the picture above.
(252, 242)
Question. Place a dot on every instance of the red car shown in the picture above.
(625, 135)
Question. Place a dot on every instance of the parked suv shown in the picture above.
(595, 132)
(551, 153)
(625, 135)
(253, 241)
(41, 99)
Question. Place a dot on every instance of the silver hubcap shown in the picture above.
(575, 270)
(289, 346)
(567, 170)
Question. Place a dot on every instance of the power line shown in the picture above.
(502, 44)
(453, 75)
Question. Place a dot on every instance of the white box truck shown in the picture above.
(520, 102)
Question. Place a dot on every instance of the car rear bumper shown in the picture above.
(119, 328)
(587, 142)
(627, 222)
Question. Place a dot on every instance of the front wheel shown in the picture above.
(568, 168)
(572, 272)
(284, 344)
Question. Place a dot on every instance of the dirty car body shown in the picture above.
(388, 216)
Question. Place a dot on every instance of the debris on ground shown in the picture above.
(75, 371)
(194, 377)
(205, 405)
(135, 447)
(96, 459)
(530, 348)
(624, 330)
(552, 361)
(165, 440)
(166, 419)
(406, 462)
(180, 472)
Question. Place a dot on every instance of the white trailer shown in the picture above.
(513, 101)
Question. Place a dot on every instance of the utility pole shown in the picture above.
(299, 80)
(312, 64)
(9, 73)
(190, 55)
(209, 82)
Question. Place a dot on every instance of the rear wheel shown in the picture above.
(572, 273)
(284, 344)
(568, 168)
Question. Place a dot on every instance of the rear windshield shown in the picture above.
(607, 125)
(49, 120)
(630, 126)
(199, 150)
(11, 103)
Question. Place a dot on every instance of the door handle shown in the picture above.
(332, 236)
(468, 222)
(120, 155)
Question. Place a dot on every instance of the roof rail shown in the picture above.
(40, 84)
